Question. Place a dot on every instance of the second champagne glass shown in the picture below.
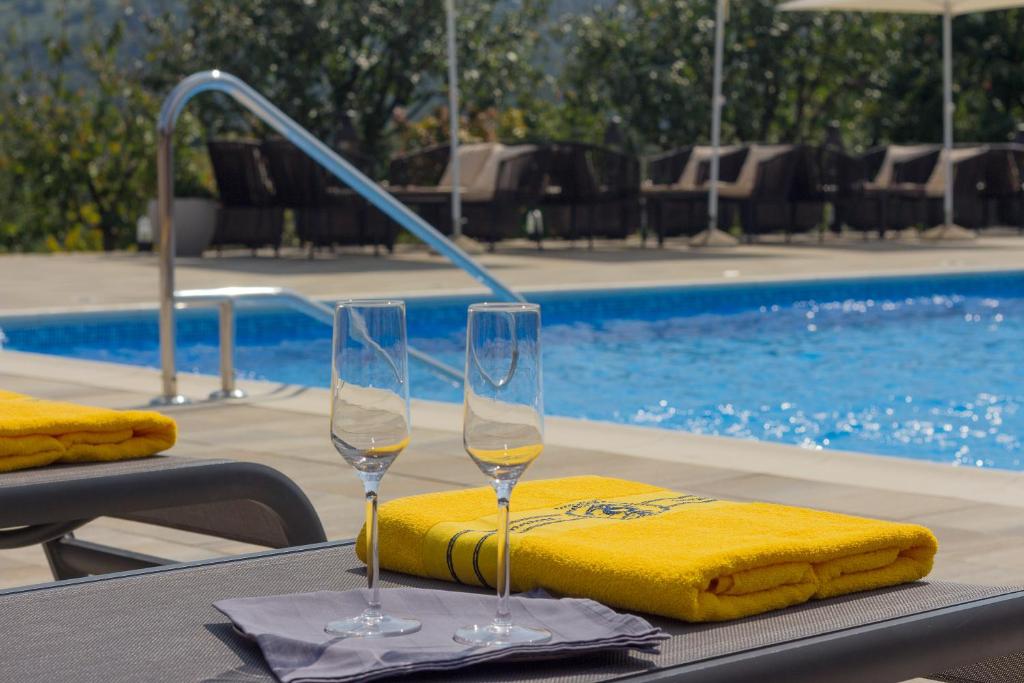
(503, 432)
(370, 428)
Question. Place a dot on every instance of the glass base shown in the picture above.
(372, 624)
(500, 635)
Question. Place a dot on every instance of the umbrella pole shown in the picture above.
(947, 108)
(948, 229)
(453, 119)
(712, 236)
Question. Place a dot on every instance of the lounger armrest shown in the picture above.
(162, 490)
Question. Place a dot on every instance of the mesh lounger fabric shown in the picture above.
(1010, 668)
(161, 625)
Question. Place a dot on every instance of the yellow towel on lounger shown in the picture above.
(649, 549)
(34, 432)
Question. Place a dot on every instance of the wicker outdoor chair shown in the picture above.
(676, 196)
(971, 168)
(498, 185)
(841, 173)
(415, 178)
(591, 192)
(777, 190)
(326, 212)
(869, 203)
(915, 195)
(561, 194)
(228, 499)
(1004, 185)
(518, 189)
(248, 213)
(422, 168)
(664, 169)
(611, 204)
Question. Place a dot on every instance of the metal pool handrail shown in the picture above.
(260, 106)
(225, 299)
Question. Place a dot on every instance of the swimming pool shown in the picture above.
(921, 367)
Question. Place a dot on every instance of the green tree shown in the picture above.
(650, 61)
(342, 69)
(789, 74)
(988, 53)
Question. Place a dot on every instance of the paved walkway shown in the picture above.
(78, 280)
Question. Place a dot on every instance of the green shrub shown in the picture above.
(77, 151)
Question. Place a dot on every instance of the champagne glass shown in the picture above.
(370, 428)
(503, 432)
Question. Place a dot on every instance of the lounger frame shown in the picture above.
(240, 501)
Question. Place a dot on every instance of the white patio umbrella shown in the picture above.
(453, 118)
(947, 9)
(712, 236)
(465, 243)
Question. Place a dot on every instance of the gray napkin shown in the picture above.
(289, 629)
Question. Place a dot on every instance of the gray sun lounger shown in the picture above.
(234, 500)
(158, 624)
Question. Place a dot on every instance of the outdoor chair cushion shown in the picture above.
(472, 159)
(936, 185)
(690, 178)
(479, 166)
(745, 184)
(478, 171)
(894, 154)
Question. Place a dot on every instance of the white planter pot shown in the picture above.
(194, 223)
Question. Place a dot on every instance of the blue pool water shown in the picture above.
(922, 367)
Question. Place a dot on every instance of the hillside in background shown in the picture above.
(33, 21)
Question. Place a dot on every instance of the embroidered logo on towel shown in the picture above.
(619, 510)
(463, 545)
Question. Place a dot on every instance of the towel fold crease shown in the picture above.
(34, 432)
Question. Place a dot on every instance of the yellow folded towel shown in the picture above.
(649, 549)
(34, 432)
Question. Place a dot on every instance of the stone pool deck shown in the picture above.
(977, 515)
(84, 280)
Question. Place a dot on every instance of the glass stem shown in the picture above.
(370, 485)
(503, 618)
